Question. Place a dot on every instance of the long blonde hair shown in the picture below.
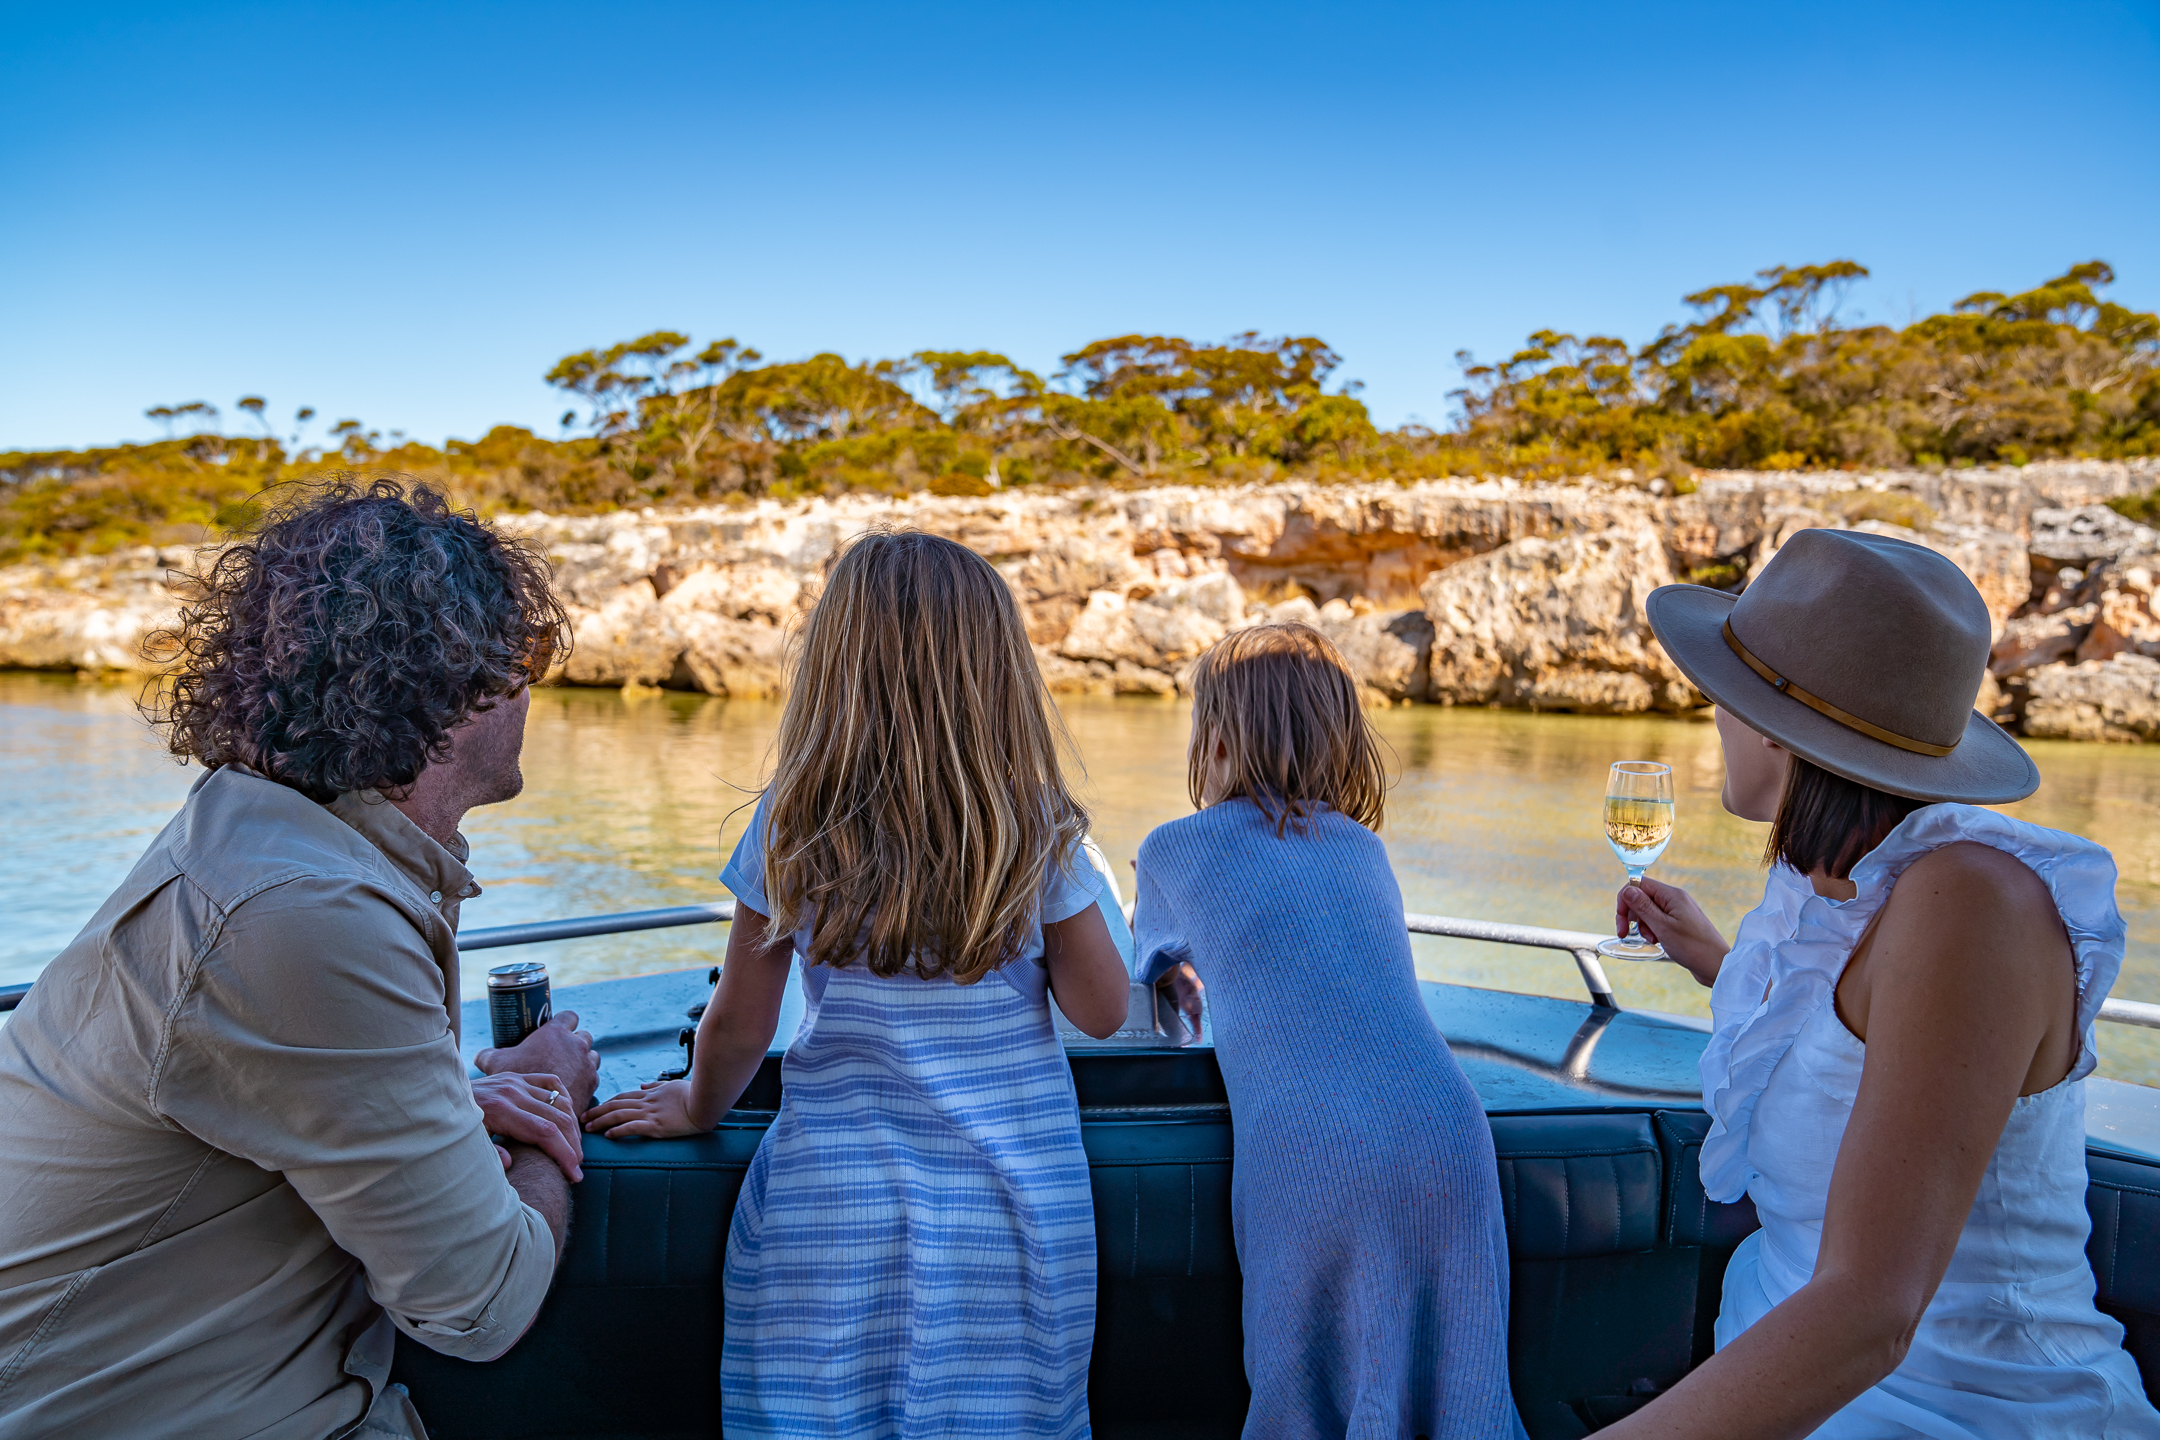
(1283, 704)
(918, 799)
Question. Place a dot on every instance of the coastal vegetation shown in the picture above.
(1761, 375)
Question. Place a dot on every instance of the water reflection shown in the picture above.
(632, 803)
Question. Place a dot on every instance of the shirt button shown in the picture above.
(435, 895)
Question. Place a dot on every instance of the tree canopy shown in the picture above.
(1762, 374)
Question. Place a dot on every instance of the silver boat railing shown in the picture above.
(1580, 944)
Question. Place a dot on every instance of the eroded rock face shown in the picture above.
(1464, 592)
(2032, 641)
(2088, 535)
(2112, 699)
(1390, 651)
(1155, 629)
(94, 614)
(1555, 625)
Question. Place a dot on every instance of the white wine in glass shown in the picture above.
(1638, 822)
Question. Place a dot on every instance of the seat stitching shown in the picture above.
(2125, 1189)
(1136, 1223)
(667, 1211)
(1619, 1225)
(1672, 1199)
(1092, 1163)
(2114, 1239)
(1192, 1221)
(1567, 1210)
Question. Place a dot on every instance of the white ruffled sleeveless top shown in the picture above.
(2011, 1345)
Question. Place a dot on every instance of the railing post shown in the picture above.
(1593, 978)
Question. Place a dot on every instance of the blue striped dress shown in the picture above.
(913, 1253)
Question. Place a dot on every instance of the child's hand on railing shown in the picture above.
(1670, 916)
(1181, 983)
(657, 1109)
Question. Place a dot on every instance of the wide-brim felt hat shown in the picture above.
(1860, 653)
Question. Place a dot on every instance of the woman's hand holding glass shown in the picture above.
(1639, 825)
(1670, 916)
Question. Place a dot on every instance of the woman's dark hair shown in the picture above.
(1830, 823)
(336, 644)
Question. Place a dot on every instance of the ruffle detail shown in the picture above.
(1791, 949)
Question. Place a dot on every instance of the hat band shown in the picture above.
(1822, 706)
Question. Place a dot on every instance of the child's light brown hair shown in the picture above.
(917, 800)
(1282, 703)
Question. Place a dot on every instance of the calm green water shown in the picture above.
(631, 803)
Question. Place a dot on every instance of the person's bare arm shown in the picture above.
(540, 1183)
(732, 1039)
(1087, 974)
(1961, 995)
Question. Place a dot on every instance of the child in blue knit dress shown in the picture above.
(913, 1252)
(1365, 1198)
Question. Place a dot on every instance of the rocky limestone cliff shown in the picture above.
(1459, 592)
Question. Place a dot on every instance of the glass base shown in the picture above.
(1622, 948)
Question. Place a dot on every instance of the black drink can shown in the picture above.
(517, 1001)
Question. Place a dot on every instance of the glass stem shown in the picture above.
(1634, 926)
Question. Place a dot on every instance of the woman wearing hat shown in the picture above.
(1900, 1028)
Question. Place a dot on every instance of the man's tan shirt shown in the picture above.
(237, 1142)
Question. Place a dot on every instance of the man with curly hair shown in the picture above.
(240, 1147)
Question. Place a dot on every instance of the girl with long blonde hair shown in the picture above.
(913, 1250)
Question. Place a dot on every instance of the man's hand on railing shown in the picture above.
(534, 1110)
(557, 1048)
(1670, 916)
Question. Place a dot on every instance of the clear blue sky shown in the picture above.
(406, 212)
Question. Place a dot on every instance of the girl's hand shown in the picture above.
(1181, 983)
(1670, 916)
(657, 1110)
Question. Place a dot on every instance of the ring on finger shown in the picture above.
(554, 1096)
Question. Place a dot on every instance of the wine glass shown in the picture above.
(1638, 822)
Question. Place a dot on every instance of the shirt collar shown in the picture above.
(437, 869)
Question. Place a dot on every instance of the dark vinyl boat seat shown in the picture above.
(628, 1343)
(1617, 1257)
(2123, 1197)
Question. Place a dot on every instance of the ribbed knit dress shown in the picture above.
(1364, 1195)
